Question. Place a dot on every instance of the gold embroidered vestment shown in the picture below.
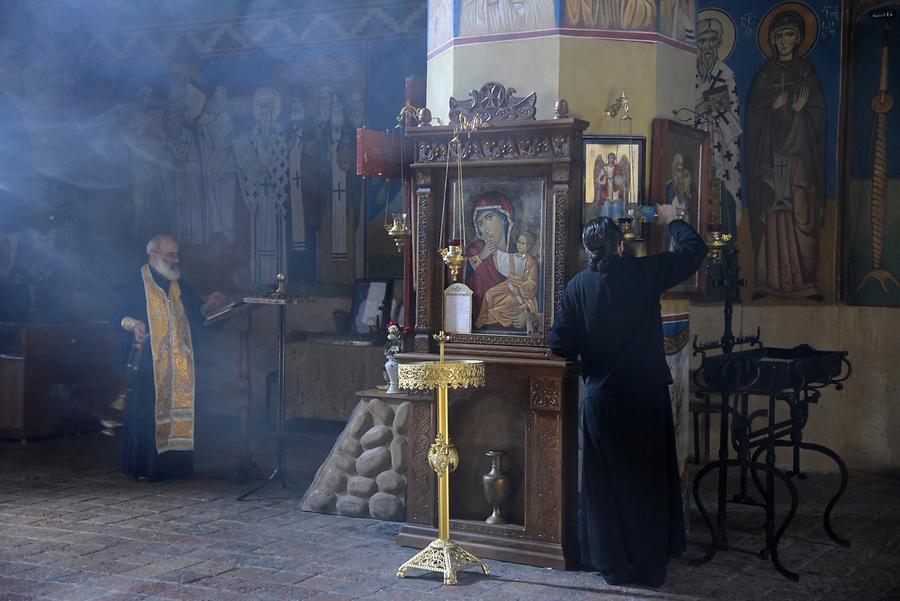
(173, 365)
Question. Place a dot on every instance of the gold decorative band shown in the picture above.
(434, 374)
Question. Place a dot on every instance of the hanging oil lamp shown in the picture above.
(453, 257)
(626, 224)
(631, 200)
(452, 254)
(716, 242)
(398, 230)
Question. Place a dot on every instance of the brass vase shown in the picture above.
(496, 487)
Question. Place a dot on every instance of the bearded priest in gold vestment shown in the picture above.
(157, 310)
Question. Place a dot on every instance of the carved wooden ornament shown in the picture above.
(494, 102)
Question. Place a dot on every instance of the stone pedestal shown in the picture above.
(365, 473)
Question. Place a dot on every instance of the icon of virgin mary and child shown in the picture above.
(501, 271)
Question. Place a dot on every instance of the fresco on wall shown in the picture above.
(234, 133)
(630, 15)
(677, 19)
(482, 17)
(440, 22)
(719, 112)
(252, 152)
(785, 163)
(785, 68)
(871, 213)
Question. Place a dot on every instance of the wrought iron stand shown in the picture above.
(795, 376)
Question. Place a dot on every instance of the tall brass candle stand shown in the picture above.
(441, 554)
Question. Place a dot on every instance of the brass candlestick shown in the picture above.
(442, 555)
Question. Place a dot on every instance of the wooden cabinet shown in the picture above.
(55, 379)
(527, 176)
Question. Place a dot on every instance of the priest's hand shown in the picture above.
(140, 332)
(214, 301)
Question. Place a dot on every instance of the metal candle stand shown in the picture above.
(795, 376)
(442, 555)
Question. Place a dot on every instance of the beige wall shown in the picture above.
(860, 422)
(526, 65)
(577, 69)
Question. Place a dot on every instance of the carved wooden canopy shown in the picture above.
(494, 102)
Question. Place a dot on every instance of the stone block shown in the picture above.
(333, 480)
(382, 412)
(401, 416)
(391, 482)
(320, 500)
(399, 453)
(373, 462)
(352, 507)
(344, 463)
(376, 436)
(351, 447)
(383, 506)
(360, 486)
(359, 423)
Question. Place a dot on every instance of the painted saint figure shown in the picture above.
(263, 160)
(513, 302)
(219, 167)
(786, 127)
(683, 18)
(500, 16)
(719, 107)
(302, 174)
(145, 139)
(611, 14)
(679, 189)
(612, 181)
(340, 193)
(183, 175)
(492, 216)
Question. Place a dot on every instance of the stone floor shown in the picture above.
(72, 528)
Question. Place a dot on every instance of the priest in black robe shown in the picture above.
(631, 519)
(158, 310)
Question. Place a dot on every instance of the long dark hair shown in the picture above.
(601, 238)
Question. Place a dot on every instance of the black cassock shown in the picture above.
(631, 519)
(139, 456)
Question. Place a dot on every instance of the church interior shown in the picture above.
(279, 282)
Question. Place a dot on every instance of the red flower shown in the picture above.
(391, 323)
(407, 330)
